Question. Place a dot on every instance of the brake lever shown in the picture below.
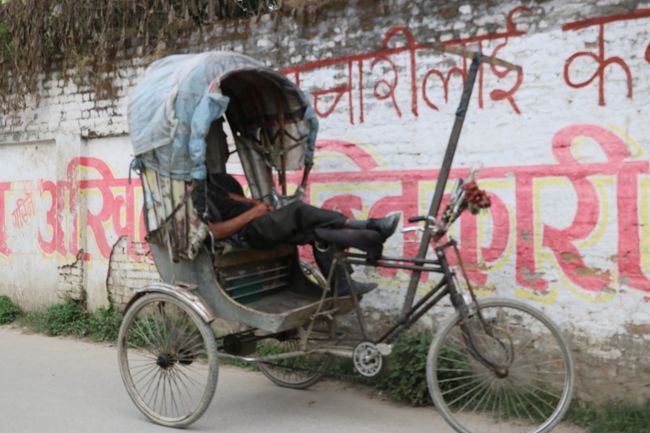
(431, 221)
(437, 226)
(412, 229)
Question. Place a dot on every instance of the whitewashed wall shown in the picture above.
(564, 148)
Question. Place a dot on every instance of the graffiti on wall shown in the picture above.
(23, 212)
(378, 74)
(513, 232)
(62, 213)
(382, 69)
(601, 60)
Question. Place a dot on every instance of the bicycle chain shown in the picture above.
(326, 373)
(354, 375)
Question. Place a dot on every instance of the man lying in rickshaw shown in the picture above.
(253, 223)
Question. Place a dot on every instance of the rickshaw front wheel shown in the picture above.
(168, 360)
(509, 369)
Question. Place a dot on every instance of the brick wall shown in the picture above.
(126, 274)
(564, 148)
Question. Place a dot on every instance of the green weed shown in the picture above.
(67, 318)
(71, 318)
(613, 417)
(405, 378)
(8, 310)
(105, 324)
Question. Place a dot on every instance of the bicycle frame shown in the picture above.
(447, 285)
(411, 313)
(443, 176)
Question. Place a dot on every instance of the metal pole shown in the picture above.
(211, 11)
(443, 177)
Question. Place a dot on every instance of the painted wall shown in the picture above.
(564, 147)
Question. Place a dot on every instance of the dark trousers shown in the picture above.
(293, 224)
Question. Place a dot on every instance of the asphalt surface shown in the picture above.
(62, 385)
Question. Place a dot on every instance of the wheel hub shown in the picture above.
(164, 361)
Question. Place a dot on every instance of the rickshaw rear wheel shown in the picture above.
(168, 360)
(303, 371)
(527, 383)
(299, 372)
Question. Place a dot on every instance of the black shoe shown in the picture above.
(358, 288)
(324, 261)
(385, 226)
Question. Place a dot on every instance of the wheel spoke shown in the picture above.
(150, 383)
(185, 386)
(523, 405)
(477, 393)
(460, 378)
(151, 349)
(142, 375)
(468, 392)
(175, 381)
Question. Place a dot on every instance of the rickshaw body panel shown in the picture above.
(184, 293)
(200, 273)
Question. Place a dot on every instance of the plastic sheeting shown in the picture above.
(171, 110)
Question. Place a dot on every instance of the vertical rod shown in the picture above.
(443, 176)
(211, 10)
(355, 302)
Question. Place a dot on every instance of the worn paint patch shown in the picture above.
(638, 328)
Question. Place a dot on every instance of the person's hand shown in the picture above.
(260, 209)
(268, 206)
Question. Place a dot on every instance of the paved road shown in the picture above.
(62, 385)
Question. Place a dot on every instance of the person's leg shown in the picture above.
(295, 224)
(324, 259)
(385, 226)
(307, 218)
(292, 224)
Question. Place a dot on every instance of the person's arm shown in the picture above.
(225, 229)
(246, 200)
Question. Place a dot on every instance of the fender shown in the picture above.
(182, 292)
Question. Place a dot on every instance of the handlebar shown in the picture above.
(456, 205)
(417, 219)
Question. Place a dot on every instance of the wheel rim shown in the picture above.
(528, 393)
(167, 361)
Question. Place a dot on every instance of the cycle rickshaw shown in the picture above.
(494, 362)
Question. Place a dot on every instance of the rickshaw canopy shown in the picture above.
(179, 98)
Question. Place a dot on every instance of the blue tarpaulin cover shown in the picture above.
(172, 108)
